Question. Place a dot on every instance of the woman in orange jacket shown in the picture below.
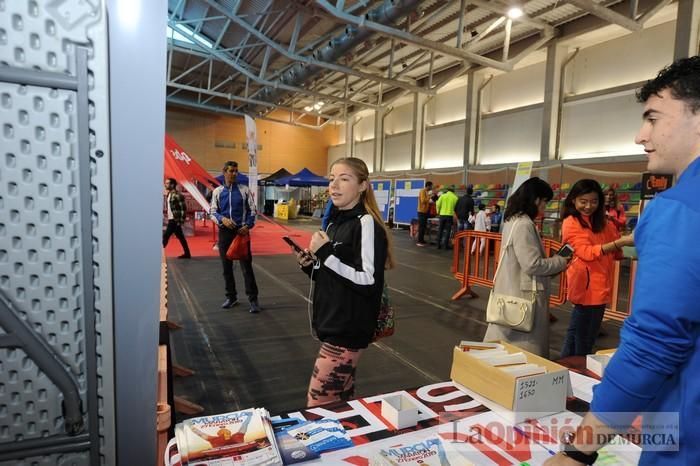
(614, 210)
(597, 244)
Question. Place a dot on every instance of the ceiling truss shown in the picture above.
(319, 61)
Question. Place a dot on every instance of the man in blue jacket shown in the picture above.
(233, 210)
(655, 369)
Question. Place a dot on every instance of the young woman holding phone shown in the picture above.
(346, 263)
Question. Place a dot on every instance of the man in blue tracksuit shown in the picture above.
(655, 369)
(233, 210)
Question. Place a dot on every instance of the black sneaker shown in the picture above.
(229, 303)
(184, 256)
(254, 307)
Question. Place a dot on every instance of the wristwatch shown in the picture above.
(567, 438)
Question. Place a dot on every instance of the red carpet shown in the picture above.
(266, 240)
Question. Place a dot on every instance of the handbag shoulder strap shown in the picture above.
(504, 247)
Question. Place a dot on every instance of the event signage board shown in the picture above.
(406, 192)
(252, 139)
(522, 173)
(382, 193)
(652, 184)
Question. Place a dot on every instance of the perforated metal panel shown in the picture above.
(42, 234)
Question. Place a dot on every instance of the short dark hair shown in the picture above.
(428, 184)
(172, 182)
(522, 201)
(580, 188)
(682, 78)
(470, 190)
(230, 163)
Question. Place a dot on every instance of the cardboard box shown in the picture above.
(543, 394)
(597, 362)
(400, 411)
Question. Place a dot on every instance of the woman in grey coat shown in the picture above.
(523, 260)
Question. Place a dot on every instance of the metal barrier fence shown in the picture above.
(475, 258)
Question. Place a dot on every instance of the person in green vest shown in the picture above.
(445, 206)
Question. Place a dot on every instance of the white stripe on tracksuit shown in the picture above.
(366, 275)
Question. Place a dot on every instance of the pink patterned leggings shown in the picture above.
(333, 378)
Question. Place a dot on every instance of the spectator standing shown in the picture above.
(656, 364)
(233, 210)
(176, 217)
(523, 260)
(465, 206)
(347, 264)
(423, 211)
(481, 223)
(596, 243)
(496, 218)
(445, 206)
(614, 211)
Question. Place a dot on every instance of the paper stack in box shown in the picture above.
(597, 362)
(495, 354)
(240, 438)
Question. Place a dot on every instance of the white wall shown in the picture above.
(397, 152)
(399, 120)
(444, 146)
(341, 133)
(512, 137)
(447, 106)
(524, 86)
(601, 127)
(364, 129)
(335, 153)
(628, 59)
(365, 151)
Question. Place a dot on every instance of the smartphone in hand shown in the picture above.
(565, 251)
(294, 245)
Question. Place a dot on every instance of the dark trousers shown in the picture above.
(583, 328)
(444, 231)
(174, 227)
(226, 237)
(422, 226)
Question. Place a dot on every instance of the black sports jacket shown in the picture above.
(349, 279)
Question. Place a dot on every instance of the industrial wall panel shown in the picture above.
(444, 146)
(511, 137)
(397, 152)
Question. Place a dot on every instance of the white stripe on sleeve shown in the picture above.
(366, 275)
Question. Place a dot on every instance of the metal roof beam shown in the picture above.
(412, 39)
(231, 97)
(607, 14)
(651, 12)
(501, 9)
(216, 109)
(311, 61)
(246, 72)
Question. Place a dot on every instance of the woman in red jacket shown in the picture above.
(596, 244)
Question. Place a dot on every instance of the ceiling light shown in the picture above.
(515, 12)
(308, 108)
